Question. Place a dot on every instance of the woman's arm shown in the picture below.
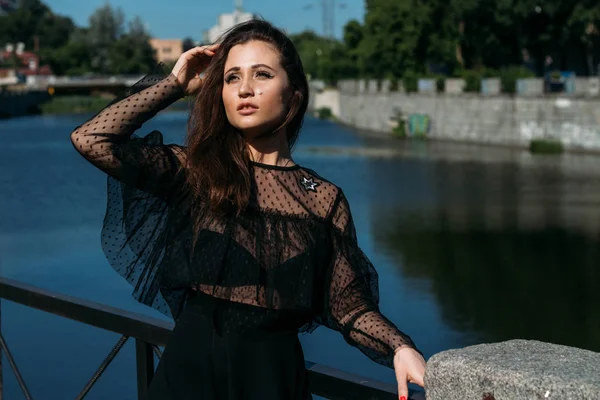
(352, 301)
(146, 164)
(105, 140)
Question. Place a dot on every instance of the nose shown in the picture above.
(246, 89)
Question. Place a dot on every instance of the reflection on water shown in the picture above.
(509, 251)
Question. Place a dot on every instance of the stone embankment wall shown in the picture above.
(574, 119)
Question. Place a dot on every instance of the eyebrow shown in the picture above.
(236, 69)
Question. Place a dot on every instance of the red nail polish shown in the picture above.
(402, 397)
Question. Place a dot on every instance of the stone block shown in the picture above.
(426, 86)
(530, 87)
(385, 86)
(362, 86)
(349, 86)
(491, 86)
(373, 86)
(516, 369)
(454, 86)
(587, 86)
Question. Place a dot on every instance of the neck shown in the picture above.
(272, 150)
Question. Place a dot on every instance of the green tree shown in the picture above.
(106, 27)
(116, 50)
(131, 53)
(584, 26)
(34, 19)
(324, 58)
(392, 37)
(309, 45)
(353, 34)
(188, 43)
(74, 58)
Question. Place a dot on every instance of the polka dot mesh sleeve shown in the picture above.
(352, 294)
(106, 140)
(143, 179)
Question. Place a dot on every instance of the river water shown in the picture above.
(472, 244)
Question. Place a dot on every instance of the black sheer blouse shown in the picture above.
(290, 261)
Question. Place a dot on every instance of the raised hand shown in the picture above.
(190, 65)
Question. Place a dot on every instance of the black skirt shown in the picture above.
(199, 363)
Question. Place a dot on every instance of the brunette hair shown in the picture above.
(218, 158)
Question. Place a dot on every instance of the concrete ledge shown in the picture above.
(516, 369)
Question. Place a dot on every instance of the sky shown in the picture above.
(177, 19)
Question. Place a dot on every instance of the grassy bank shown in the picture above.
(74, 104)
(545, 146)
(89, 104)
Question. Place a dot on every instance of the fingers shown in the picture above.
(213, 47)
(418, 380)
(402, 379)
(417, 373)
(201, 50)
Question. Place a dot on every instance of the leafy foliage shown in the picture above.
(470, 38)
(106, 46)
(398, 40)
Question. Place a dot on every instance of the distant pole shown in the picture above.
(239, 5)
(328, 18)
(324, 18)
(332, 19)
(327, 15)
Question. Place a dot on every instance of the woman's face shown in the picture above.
(255, 88)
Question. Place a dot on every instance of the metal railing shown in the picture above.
(150, 333)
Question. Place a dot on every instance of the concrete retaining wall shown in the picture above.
(484, 119)
(487, 118)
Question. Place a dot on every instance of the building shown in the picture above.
(6, 6)
(166, 49)
(29, 62)
(227, 21)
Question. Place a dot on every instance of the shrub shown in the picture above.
(399, 130)
(439, 81)
(472, 80)
(509, 76)
(410, 80)
(393, 84)
(545, 146)
(324, 113)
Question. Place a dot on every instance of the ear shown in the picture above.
(292, 98)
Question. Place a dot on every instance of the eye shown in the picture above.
(264, 74)
(229, 78)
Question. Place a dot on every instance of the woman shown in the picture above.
(243, 247)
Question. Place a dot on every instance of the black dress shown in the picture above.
(242, 289)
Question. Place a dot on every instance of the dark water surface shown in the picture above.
(472, 245)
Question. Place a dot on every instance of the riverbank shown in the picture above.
(561, 121)
(61, 105)
(74, 105)
(16, 103)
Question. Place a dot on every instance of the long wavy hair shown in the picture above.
(218, 156)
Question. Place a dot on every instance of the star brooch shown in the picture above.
(309, 184)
